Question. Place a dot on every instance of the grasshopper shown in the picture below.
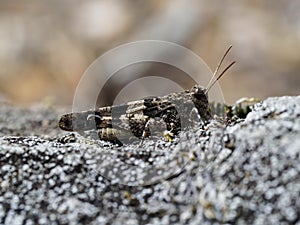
(134, 119)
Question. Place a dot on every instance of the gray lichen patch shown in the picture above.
(244, 173)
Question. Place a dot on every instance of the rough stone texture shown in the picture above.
(245, 173)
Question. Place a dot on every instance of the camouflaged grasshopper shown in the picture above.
(168, 113)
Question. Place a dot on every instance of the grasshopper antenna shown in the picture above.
(212, 81)
(219, 65)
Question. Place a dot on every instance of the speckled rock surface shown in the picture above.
(243, 173)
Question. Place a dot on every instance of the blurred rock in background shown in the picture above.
(45, 47)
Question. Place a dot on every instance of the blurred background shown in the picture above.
(45, 46)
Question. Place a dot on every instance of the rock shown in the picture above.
(244, 173)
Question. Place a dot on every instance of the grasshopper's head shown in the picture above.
(200, 94)
(200, 100)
